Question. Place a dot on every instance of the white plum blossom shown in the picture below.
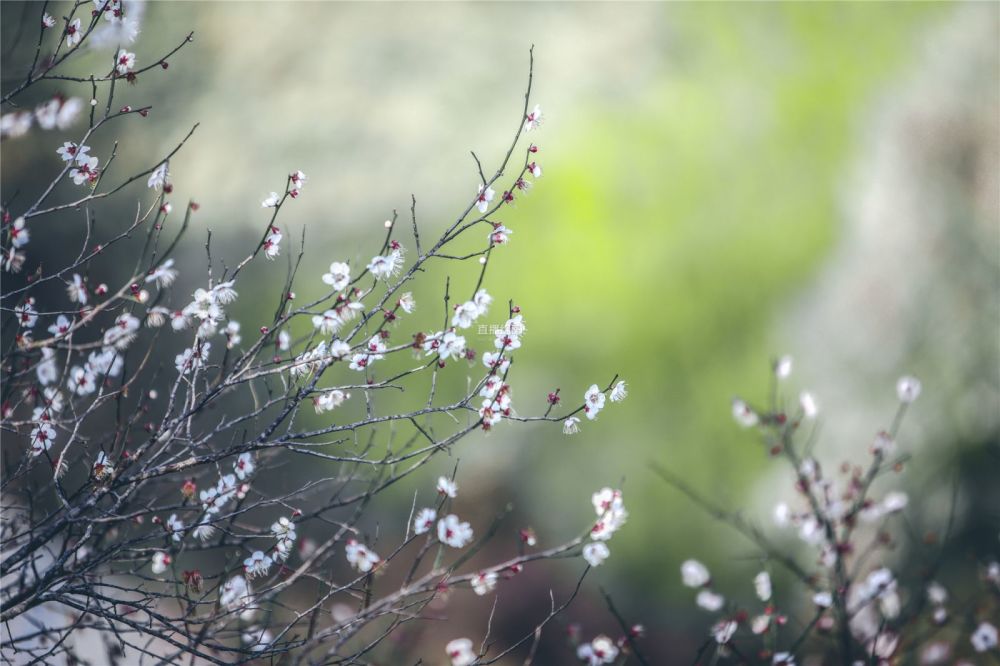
(745, 416)
(406, 303)
(450, 345)
(235, 593)
(611, 513)
(271, 201)
(535, 170)
(460, 652)
(74, 33)
(327, 323)
(533, 119)
(284, 340)
(339, 276)
(447, 487)
(384, 267)
(232, 333)
(984, 638)
(19, 235)
(424, 521)
(484, 582)
(360, 557)
(175, 527)
(908, 389)
(192, 358)
(593, 402)
(81, 381)
(709, 600)
(272, 243)
(465, 315)
(284, 532)
(484, 197)
(619, 392)
(298, 181)
(42, 436)
(77, 290)
(695, 574)
(571, 426)
(47, 20)
(86, 170)
(500, 234)
(595, 553)
(257, 564)
(373, 352)
(808, 404)
(783, 367)
(163, 275)
(257, 639)
(329, 400)
(26, 314)
(158, 177)
(762, 585)
(124, 62)
(47, 371)
(160, 561)
(823, 599)
(601, 650)
(723, 631)
(453, 532)
(244, 466)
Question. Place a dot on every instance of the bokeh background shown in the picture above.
(723, 183)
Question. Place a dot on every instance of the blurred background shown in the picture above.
(723, 183)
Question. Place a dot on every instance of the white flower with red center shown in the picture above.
(297, 179)
(272, 244)
(74, 33)
(72, 152)
(500, 234)
(619, 392)
(339, 349)
(908, 389)
(124, 62)
(595, 553)
(495, 361)
(446, 487)
(81, 381)
(601, 650)
(535, 170)
(103, 469)
(373, 352)
(571, 426)
(85, 171)
(760, 624)
(533, 119)
(160, 561)
(26, 314)
(62, 326)
(77, 290)
(695, 574)
(244, 466)
(175, 527)
(484, 197)
(163, 275)
(19, 233)
(329, 400)
(192, 358)
(484, 582)
(453, 532)
(460, 652)
(384, 267)
(723, 631)
(451, 345)
(271, 202)
(360, 556)
(123, 332)
(424, 521)
(745, 416)
(42, 436)
(257, 564)
(339, 276)
(465, 314)
(984, 638)
(593, 402)
(47, 20)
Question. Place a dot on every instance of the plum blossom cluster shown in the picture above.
(845, 518)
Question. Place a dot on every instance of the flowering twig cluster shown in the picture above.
(850, 606)
(139, 500)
